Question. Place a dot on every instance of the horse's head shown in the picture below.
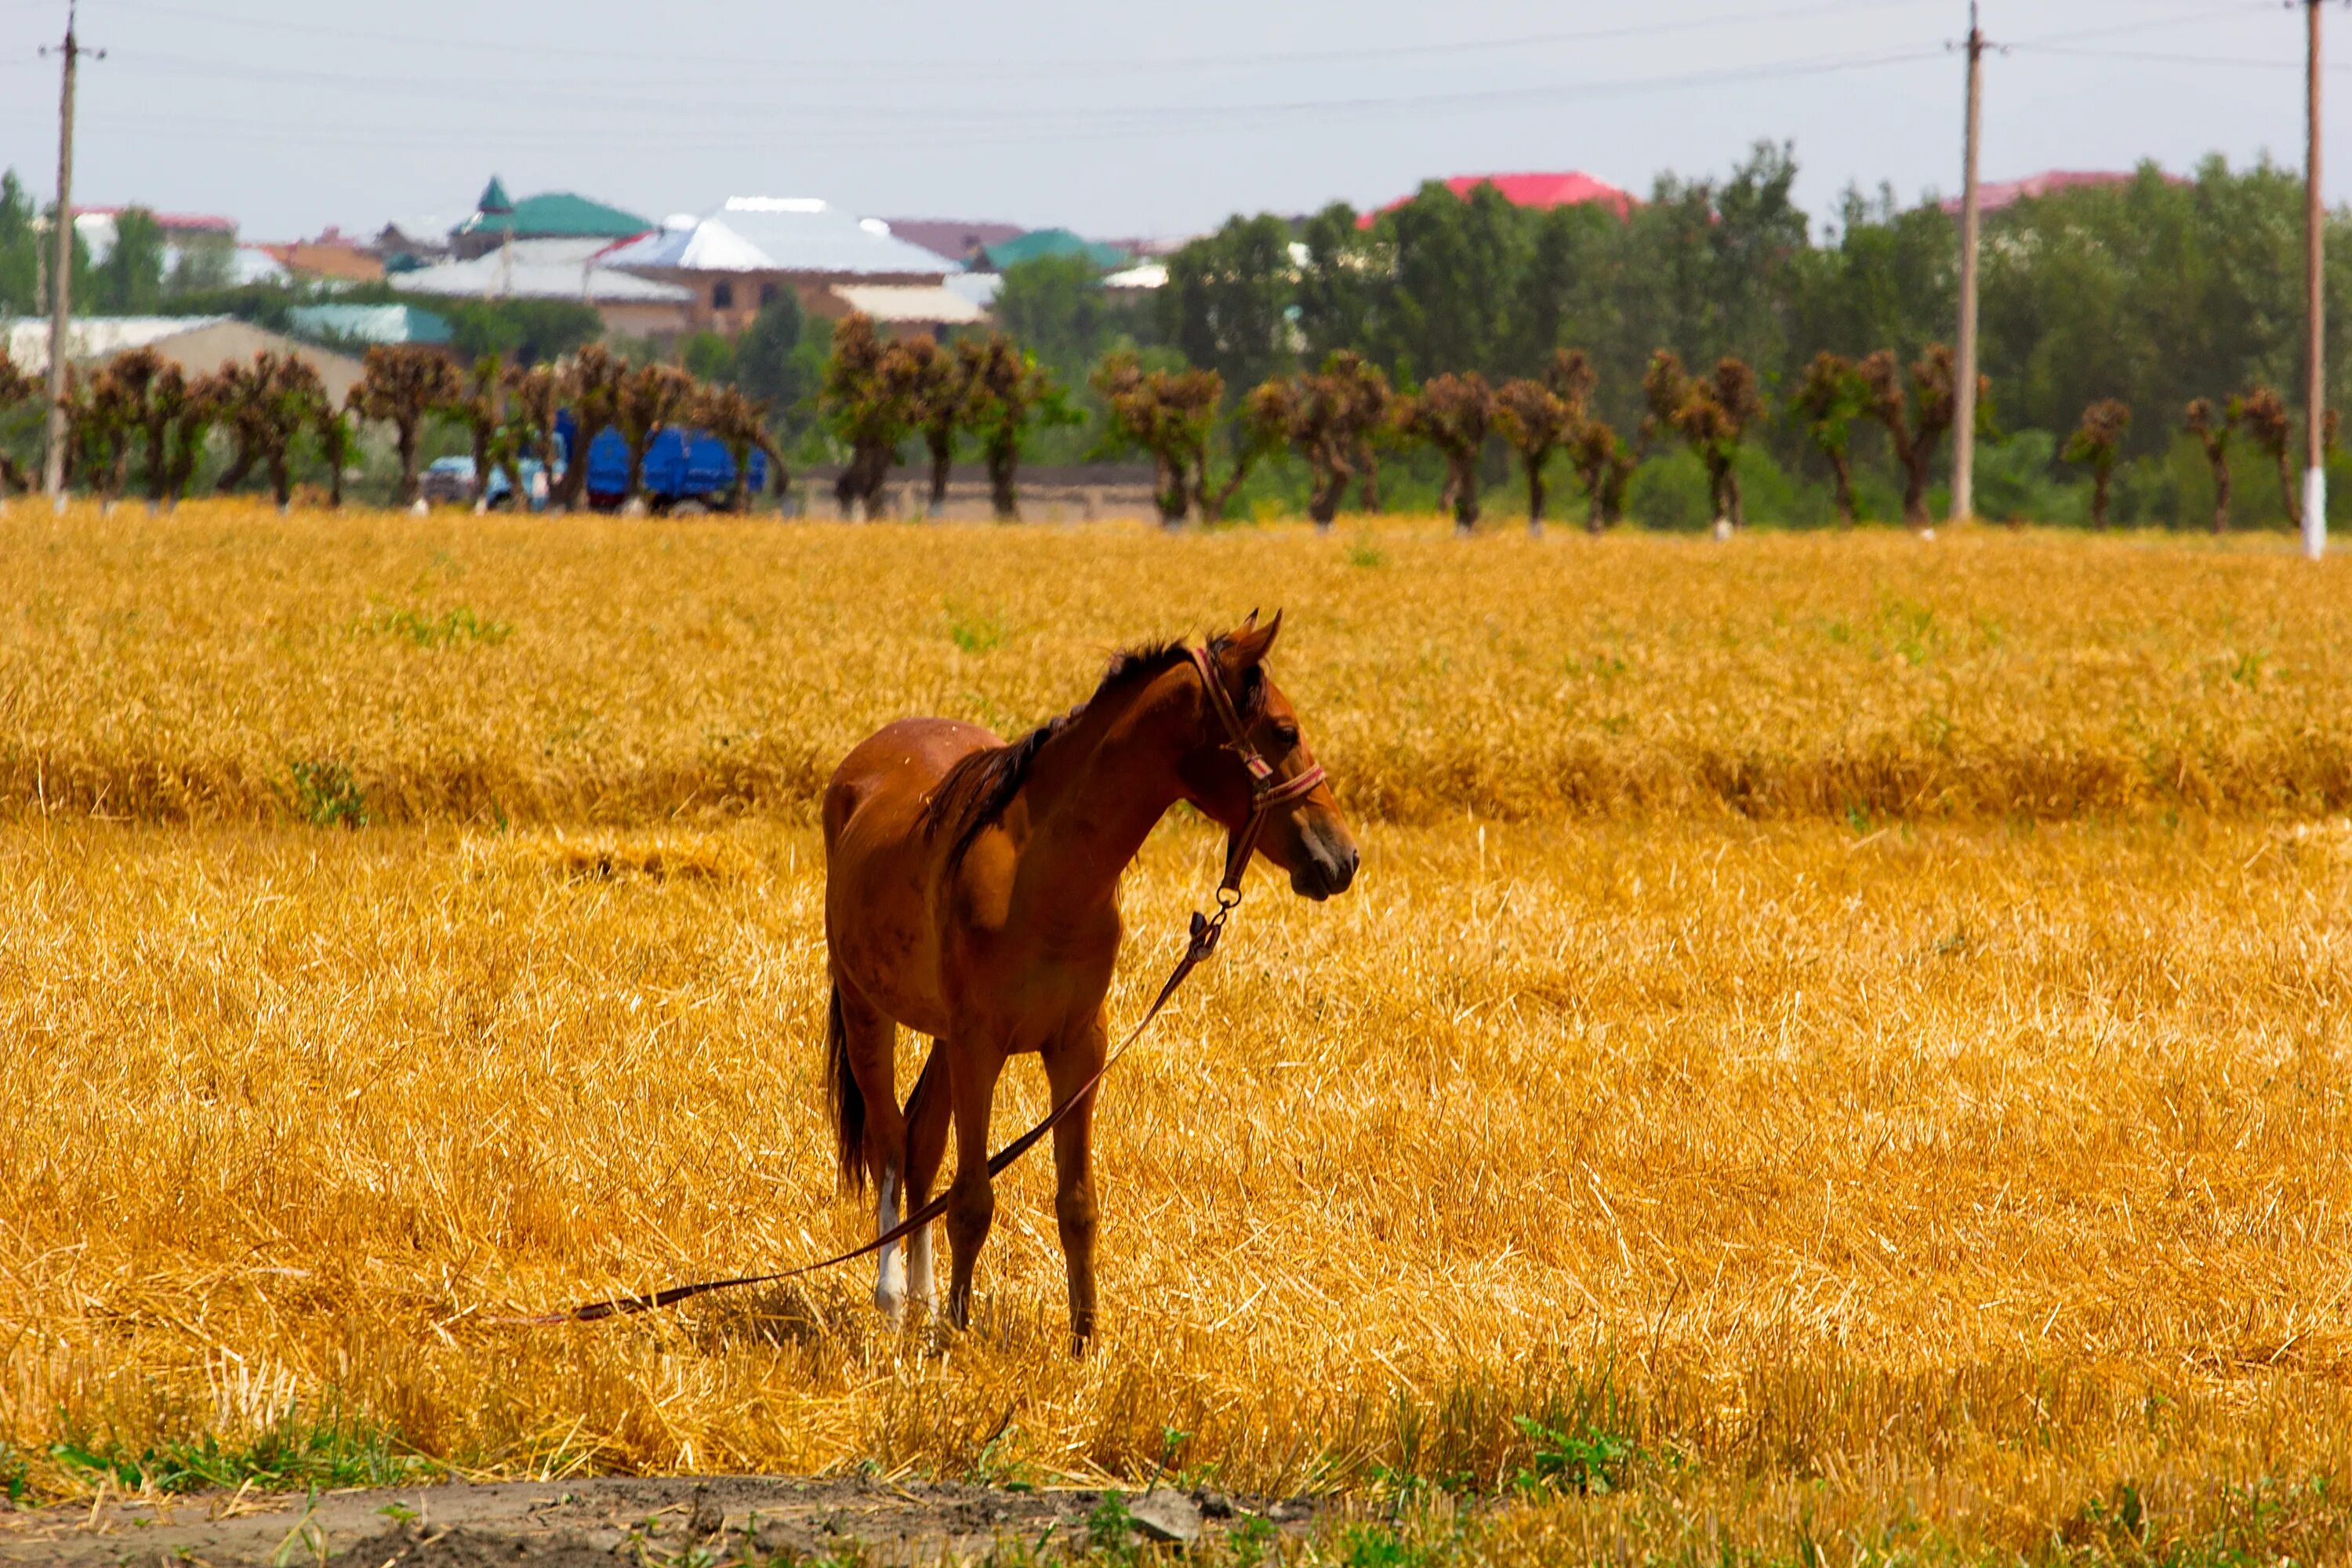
(1246, 717)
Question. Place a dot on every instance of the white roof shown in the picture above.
(782, 234)
(926, 302)
(537, 270)
(94, 337)
(1147, 275)
(980, 287)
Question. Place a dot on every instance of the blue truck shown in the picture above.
(680, 466)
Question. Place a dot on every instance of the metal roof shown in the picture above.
(554, 214)
(1053, 242)
(782, 234)
(370, 323)
(539, 269)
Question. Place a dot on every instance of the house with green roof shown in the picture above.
(551, 215)
(1040, 242)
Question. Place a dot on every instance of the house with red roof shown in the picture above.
(2002, 193)
(1567, 188)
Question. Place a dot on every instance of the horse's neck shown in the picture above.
(1097, 791)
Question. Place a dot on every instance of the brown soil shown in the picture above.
(577, 1524)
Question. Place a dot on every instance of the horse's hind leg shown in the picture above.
(929, 1111)
(869, 1040)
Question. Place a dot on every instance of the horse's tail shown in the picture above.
(842, 1093)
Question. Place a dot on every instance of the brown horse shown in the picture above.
(971, 894)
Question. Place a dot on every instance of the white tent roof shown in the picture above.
(94, 337)
(925, 302)
(537, 270)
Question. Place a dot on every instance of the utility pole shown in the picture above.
(53, 462)
(1964, 407)
(2314, 364)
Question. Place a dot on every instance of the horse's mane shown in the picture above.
(979, 787)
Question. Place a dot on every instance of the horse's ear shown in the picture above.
(1250, 643)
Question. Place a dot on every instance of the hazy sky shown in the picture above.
(1111, 116)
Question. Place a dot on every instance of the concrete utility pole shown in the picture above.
(53, 460)
(2314, 364)
(1964, 407)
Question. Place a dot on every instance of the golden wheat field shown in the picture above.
(1837, 1051)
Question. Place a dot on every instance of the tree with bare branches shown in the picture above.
(2270, 426)
(16, 387)
(401, 385)
(2098, 445)
(479, 406)
(1536, 421)
(1830, 398)
(1363, 409)
(1005, 394)
(1454, 414)
(199, 408)
(99, 419)
(268, 404)
(2215, 429)
(739, 423)
(1918, 420)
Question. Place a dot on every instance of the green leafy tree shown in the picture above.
(2098, 445)
(1454, 414)
(2215, 429)
(20, 253)
(707, 356)
(401, 385)
(1830, 398)
(771, 365)
(519, 332)
(1056, 308)
(130, 281)
(16, 388)
(1456, 262)
(1226, 305)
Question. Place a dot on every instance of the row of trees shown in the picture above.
(140, 411)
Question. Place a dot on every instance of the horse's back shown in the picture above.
(894, 771)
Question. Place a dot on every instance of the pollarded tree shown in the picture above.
(1536, 421)
(1006, 394)
(1830, 398)
(1167, 415)
(739, 423)
(937, 385)
(1604, 465)
(279, 402)
(2272, 428)
(1313, 414)
(2098, 444)
(99, 422)
(1711, 416)
(205, 399)
(591, 382)
(1918, 421)
(339, 444)
(867, 399)
(478, 406)
(147, 387)
(534, 399)
(401, 385)
(652, 399)
(2215, 429)
(1454, 414)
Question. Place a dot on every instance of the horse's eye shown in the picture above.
(1286, 735)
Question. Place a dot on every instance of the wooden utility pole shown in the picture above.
(2314, 363)
(53, 460)
(1964, 409)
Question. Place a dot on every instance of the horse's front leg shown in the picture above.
(1070, 1067)
(972, 1070)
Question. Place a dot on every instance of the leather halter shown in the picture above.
(1268, 791)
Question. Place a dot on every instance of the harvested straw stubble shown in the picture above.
(223, 666)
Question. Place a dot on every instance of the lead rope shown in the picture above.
(1266, 794)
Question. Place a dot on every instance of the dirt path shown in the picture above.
(560, 1524)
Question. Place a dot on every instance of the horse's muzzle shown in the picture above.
(1327, 867)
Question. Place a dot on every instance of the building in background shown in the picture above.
(559, 269)
(329, 259)
(363, 326)
(752, 249)
(953, 237)
(1566, 188)
(1054, 242)
(553, 214)
(2002, 194)
(199, 345)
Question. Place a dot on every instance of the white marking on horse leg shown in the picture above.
(889, 1273)
(920, 1287)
